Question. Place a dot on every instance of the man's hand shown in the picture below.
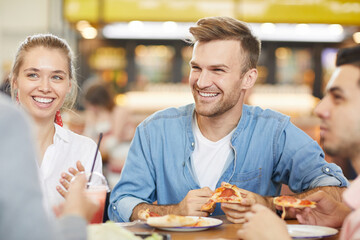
(189, 206)
(192, 203)
(235, 212)
(328, 212)
(262, 223)
(66, 178)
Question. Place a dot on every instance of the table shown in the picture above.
(226, 231)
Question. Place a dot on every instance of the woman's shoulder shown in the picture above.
(74, 138)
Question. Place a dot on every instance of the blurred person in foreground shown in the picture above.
(115, 122)
(43, 82)
(23, 215)
(340, 133)
(179, 156)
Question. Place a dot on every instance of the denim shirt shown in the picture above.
(268, 151)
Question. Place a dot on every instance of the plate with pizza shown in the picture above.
(183, 223)
(299, 231)
(291, 201)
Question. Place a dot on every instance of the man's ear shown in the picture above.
(249, 78)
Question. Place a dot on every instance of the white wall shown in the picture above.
(20, 18)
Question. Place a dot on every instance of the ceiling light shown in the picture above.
(268, 28)
(356, 37)
(80, 25)
(89, 33)
(265, 31)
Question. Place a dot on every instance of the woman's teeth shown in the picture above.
(43, 100)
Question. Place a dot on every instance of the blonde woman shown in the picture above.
(43, 82)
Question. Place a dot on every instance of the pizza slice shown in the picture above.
(172, 221)
(290, 201)
(226, 193)
(145, 214)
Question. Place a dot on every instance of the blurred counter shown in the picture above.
(294, 101)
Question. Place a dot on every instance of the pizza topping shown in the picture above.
(290, 201)
(152, 214)
(306, 203)
(226, 193)
(287, 199)
(145, 214)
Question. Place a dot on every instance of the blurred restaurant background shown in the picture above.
(137, 49)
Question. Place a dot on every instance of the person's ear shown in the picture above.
(249, 78)
(14, 84)
(70, 85)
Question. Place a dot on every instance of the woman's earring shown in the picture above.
(17, 98)
(58, 119)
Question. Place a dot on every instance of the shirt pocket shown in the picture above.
(247, 180)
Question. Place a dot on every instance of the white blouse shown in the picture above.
(67, 148)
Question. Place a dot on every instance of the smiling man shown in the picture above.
(180, 155)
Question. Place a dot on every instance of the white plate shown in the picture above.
(298, 231)
(213, 222)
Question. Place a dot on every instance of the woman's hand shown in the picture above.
(76, 202)
(66, 178)
(262, 223)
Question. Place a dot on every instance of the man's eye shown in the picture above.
(337, 98)
(195, 67)
(218, 70)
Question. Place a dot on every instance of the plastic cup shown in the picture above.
(96, 189)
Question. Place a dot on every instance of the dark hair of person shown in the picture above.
(350, 55)
(99, 95)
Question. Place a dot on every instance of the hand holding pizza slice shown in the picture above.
(227, 193)
(290, 201)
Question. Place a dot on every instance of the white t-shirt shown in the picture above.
(67, 148)
(209, 157)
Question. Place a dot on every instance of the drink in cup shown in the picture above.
(96, 190)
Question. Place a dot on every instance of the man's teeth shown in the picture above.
(43, 100)
(208, 94)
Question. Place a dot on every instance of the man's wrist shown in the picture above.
(270, 203)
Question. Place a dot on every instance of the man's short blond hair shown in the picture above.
(226, 28)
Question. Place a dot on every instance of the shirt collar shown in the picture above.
(61, 133)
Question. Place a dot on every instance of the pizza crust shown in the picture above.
(171, 221)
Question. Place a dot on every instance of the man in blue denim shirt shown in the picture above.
(180, 155)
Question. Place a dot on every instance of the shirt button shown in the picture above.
(327, 169)
(114, 207)
(192, 144)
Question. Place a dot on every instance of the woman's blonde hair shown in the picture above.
(49, 41)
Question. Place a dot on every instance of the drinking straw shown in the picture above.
(97, 149)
